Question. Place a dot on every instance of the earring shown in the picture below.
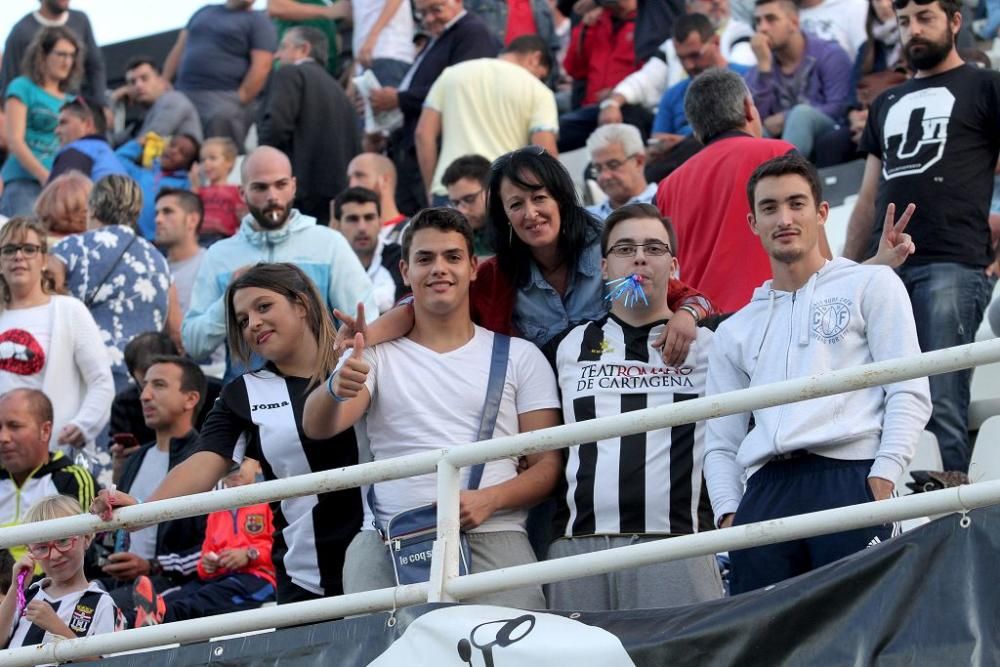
(510, 234)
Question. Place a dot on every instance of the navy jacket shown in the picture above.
(92, 156)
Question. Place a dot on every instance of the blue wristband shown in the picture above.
(329, 389)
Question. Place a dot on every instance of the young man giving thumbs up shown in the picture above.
(428, 390)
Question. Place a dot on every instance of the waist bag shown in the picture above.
(409, 535)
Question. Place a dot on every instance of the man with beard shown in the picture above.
(934, 141)
(272, 231)
(801, 83)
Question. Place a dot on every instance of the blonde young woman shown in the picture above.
(50, 342)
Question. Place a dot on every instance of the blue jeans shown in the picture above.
(19, 197)
(803, 124)
(948, 304)
(389, 72)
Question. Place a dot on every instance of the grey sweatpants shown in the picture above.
(367, 566)
(651, 586)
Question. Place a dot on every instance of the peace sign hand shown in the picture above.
(895, 246)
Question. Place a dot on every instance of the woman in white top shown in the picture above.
(50, 342)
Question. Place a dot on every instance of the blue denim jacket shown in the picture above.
(540, 313)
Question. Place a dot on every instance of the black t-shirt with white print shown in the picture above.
(259, 415)
(938, 139)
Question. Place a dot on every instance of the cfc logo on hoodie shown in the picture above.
(830, 319)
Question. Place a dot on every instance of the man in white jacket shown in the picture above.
(814, 315)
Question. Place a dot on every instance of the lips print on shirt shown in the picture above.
(20, 353)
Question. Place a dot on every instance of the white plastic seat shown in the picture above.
(927, 457)
(984, 399)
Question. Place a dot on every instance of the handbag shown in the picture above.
(409, 535)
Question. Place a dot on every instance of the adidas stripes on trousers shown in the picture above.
(800, 484)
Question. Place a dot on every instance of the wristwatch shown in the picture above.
(608, 102)
(252, 554)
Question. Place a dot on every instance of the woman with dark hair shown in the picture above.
(546, 275)
(52, 65)
(275, 312)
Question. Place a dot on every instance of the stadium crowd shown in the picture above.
(337, 231)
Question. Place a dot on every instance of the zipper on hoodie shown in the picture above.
(788, 351)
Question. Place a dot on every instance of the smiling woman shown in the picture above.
(274, 311)
(50, 342)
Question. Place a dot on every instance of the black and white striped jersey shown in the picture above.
(643, 483)
(260, 415)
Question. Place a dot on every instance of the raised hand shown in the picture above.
(350, 379)
(895, 246)
(351, 326)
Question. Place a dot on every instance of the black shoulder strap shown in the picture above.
(84, 612)
(35, 634)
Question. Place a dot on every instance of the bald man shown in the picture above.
(272, 231)
(28, 471)
(378, 173)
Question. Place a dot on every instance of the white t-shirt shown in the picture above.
(154, 468)
(25, 334)
(395, 42)
(841, 21)
(424, 400)
(488, 107)
(99, 620)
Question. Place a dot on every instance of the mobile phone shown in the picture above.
(123, 540)
(126, 440)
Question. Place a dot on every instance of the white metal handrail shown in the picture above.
(445, 583)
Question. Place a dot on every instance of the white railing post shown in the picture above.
(444, 564)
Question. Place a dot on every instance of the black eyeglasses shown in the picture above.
(465, 200)
(29, 250)
(651, 248)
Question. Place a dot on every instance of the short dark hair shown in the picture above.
(319, 45)
(138, 61)
(950, 7)
(194, 142)
(790, 164)
(192, 377)
(146, 346)
(356, 195)
(442, 219)
(38, 402)
(187, 200)
(88, 109)
(791, 5)
(528, 44)
(474, 167)
(688, 23)
(633, 212)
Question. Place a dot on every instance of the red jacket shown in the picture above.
(492, 298)
(706, 199)
(246, 527)
(603, 54)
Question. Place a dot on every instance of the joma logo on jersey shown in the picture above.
(267, 406)
(830, 319)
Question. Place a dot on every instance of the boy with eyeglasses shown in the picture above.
(466, 180)
(641, 487)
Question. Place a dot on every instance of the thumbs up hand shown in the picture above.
(350, 377)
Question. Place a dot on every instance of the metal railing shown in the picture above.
(445, 583)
